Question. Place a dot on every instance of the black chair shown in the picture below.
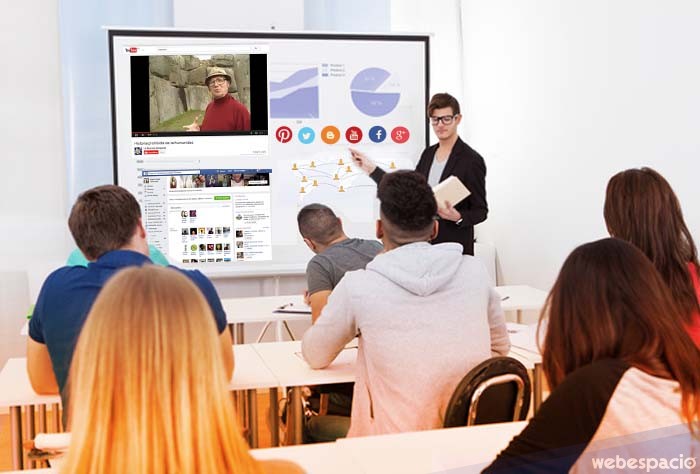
(495, 391)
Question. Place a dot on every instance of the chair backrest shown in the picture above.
(497, 390)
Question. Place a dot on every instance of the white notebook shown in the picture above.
(451, 190)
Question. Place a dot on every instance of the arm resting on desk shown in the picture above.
(227, 351)
(334, 328)
(317, 301)
(40, 369)
(500, 342)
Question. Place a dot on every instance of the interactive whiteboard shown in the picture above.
(224, 136)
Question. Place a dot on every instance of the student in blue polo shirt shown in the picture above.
(106, 224)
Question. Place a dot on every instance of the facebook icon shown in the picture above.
(377, 134)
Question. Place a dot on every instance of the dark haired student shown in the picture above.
(424, 315)
(106, 224)
(449, 157)
(623, 373)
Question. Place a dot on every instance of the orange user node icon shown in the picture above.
(336, 178)
(330, 134)
(312, 165)
(302, 190)
(340, 162)
(315, 183)
(341, 190)
(294, 167)
(303, 179)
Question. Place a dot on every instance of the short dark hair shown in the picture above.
(103, 219)
(318, 223)
(408, 206)
(441, 101)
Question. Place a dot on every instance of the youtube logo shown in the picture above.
(353, 134)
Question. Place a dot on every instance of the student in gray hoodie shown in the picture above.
(424, 314)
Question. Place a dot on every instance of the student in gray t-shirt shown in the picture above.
(336, 253)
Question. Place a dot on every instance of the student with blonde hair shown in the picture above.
(148, 384)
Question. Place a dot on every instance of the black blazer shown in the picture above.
(467, 165)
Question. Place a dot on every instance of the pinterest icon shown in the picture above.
(283, 134)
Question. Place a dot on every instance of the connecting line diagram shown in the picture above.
(339, 175)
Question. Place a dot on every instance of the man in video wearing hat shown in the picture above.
(224, 113)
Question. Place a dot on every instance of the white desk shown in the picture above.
(250, 373)
(16, 392)
(239, 311)
(313, 458)
(285, 361)
(468, 449)
(261, 309)
(521, 298)
(523, 340)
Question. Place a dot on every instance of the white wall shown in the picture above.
(559, 96)
(443, 24)
(32, 195)
(238, 15)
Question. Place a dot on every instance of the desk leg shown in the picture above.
(252, 418)
(238, 333)
(16, 437)
(42, 419)
(56, 418)
(519, 316)
(274, 418)
(295, 417)
(278, 331)
(537, 386)
(30, 427)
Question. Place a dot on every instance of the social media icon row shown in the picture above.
(331, 134)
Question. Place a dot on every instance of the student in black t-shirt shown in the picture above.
(623, 373)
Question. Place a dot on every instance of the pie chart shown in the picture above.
(375, 91)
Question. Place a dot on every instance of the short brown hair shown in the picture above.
(103, 219)
(441, 101)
